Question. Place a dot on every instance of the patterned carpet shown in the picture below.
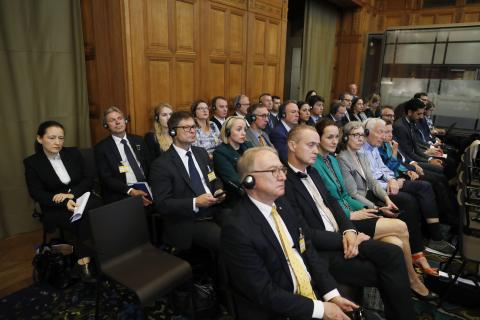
(116, 302)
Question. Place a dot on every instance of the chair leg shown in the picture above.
(450, 284)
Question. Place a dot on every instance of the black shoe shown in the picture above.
(85, 274)
(431, 296)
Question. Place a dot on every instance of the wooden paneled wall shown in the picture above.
(177, 51)
(377, 16)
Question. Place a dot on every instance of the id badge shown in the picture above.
(211, 176)
(301, 242)
(123, 167)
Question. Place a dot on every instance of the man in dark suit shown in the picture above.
(185, 189)
(219, 110)
(258, 118)
(288, 115)
(266, 100)
(273, 269)
(121, 159)
(364, 262)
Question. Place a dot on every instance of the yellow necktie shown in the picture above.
(304, 286)
(261, 141)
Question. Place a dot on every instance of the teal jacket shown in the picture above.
(339, 193)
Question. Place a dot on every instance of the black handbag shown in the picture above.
(51, 266)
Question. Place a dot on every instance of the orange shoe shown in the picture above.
(420, 269)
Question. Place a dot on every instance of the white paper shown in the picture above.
(81, 204)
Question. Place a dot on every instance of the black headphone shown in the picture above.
(228, 131)
(251, 117)
(156, 117)
(365, 130)
(105, 125)
(172, 132)
(345, 138)
(248, 182)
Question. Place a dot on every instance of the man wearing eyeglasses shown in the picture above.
(185, 189)
(258, 118)
(274, 270)
(241, 104)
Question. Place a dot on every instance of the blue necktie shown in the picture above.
(197, 184)
(132, 162)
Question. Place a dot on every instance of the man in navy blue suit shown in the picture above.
(288, 115)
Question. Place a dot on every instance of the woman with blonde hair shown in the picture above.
(158, 140)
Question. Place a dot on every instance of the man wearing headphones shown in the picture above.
(186, 190)
(122, 159)
(288, 115)
(219, 110)
(274, 269)
(241, 104)
(258, 118)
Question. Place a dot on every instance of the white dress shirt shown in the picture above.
(59, 167)
(183, 155)
(266, 210)
(130, 175)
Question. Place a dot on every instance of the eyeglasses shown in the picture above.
(357, 135)
(187, 128)
(275, 172)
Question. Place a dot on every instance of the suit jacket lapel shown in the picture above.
(178, 163)
(267, 231)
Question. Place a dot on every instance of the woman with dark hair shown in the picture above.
(392, 231)
(317, 104)
(56, 176)
(373, 107)
(158, 140)
(357, 110)
(304, 113)
(207, 131)
(309, 94)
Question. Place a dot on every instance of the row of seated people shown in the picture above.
(186, 189)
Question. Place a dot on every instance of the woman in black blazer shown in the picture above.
(55, 177)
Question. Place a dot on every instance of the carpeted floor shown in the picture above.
(116, 302)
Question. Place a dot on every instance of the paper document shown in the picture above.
(81, 204)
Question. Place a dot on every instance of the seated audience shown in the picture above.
(207, 132)
(322, 214)
(387, 114)
(158, 140)
(184, 186)
(267, 101)
(241, 104)
(276, 105)
(357, 111)
(346, 101)
(395, 161)
(304, 113)
(220, 111)
(373, 108)
(404, 131)
(309, 94)
(122, 160)
(337, 113)
(56, 176)
(288, 115)
(226, 155)
(258, 118)
(353, 90)
(362, 186)
(317, 103)
(274, 270)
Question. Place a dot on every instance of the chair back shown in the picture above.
(118, 228)
(89, 158)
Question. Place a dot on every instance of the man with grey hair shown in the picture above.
(121, 159)
(422, 191)
(241, 104)
(274, 269)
